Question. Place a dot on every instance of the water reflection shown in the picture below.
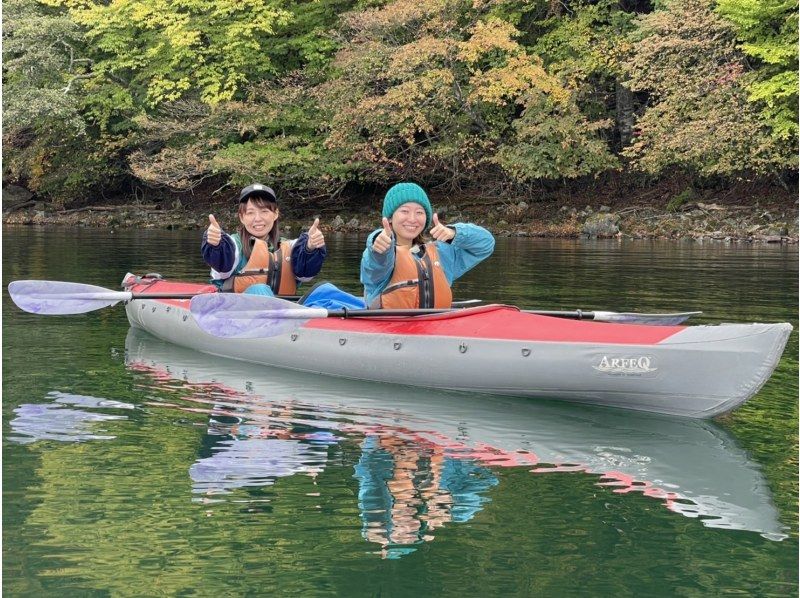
(250, 455)
(54, 421)
(426, 458)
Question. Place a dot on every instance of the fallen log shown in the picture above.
(19, 206)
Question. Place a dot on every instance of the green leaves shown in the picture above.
(418, 92)
(555, 141)
(698, 118)
(169, 49)
(768, 30)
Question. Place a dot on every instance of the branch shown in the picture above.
(74, 78)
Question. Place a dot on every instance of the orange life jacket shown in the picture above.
(417, 282)
(264, 267)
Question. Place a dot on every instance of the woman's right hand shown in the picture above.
(214, 231)
(384, 239)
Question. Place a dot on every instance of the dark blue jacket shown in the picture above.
(226, 258)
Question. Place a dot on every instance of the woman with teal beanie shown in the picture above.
(400, 270)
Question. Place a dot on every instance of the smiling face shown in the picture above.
(258, 216)
(408, 222)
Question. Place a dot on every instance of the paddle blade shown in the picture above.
(651, 319)
(55, 298)
(231, 315)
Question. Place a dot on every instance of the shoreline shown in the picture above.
(698, 221)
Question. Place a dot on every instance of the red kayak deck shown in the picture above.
(488, 322)
(504, 323)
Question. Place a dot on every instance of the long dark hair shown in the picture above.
(274, 236)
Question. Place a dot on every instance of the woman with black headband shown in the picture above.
(256, 259)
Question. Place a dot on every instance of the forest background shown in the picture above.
(516, 109)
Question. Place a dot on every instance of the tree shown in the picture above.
(768, 33)
(432, 90)
(48, 139)
(273, 134)
(165, 50)
(585, 47)
(698, 117)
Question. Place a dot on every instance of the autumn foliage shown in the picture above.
(499, 94)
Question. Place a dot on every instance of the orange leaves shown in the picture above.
(397, 21)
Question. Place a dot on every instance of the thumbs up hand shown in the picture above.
(440, 232)
(214, 231)
(384, 239)
(315, 237)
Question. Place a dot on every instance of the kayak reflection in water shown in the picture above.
(401, 270)
(407, 489)
(256, 259)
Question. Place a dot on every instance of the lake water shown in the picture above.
(134, 467)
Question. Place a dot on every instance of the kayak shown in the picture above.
(692, 467)
(693, 371)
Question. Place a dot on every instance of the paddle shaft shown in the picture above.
(577, 314)
(163, 295)
(373, 313)
(417, 312)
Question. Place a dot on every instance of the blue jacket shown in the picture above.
(227, 258)
(471, 245)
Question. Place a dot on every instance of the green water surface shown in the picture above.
(135, 468)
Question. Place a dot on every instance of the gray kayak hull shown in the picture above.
(699, 371)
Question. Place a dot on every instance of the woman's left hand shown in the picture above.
(440, 232)
(315, 237)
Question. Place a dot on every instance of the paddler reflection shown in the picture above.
(408, 488)
(408, 485)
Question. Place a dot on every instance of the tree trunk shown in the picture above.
(625, 116)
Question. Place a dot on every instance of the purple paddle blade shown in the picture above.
(50, 297)
(231, 315)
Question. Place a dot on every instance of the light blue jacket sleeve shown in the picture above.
(376, 268)
(471, 245)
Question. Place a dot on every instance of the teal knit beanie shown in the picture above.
(403, 193)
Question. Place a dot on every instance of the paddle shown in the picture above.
(55, 298)
(229, 315)
(238, 312)
(52, 297)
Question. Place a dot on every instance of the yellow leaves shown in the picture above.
(166, 90)
(519, 75)
(502, 69)
(70, 4)
(417, 87)
(401, 14)
(488, 36)
(421, 54)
